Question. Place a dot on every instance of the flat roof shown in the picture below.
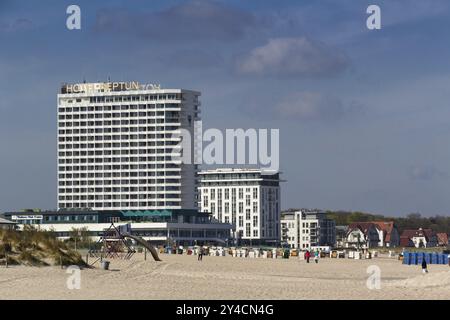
(5, 221)
(237, 170)
(116, 88)
(111, 212)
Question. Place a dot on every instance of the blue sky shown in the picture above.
(363, 114)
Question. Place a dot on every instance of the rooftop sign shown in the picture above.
(107, 87)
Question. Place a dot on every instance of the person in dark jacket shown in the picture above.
(424, 266)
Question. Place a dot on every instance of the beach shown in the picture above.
(183, 277)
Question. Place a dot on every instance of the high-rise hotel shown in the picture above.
(116, 143)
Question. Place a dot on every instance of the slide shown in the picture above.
(144, 244)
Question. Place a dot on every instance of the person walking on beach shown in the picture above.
(316, 256)
(200, 254)
(424, 266)
(307, 256)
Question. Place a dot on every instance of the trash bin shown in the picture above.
(105, 265)
(286, 254)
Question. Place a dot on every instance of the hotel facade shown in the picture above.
(118, 144)
(249, 199)
(307, 229)
(119, 161)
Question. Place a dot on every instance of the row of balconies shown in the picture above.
(100, 133)
(111, 123)
(153, 158)
(122, 206)
(109, 115)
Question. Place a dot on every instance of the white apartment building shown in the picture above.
(305, 229)
(246, 198)
(115, 146)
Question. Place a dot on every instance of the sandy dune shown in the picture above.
(183, 277)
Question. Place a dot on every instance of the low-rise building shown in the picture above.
(387, 233)
(305, 229)
(179, 226)
(442, 239)
(420, 238)
(6, 224)
(372, 234)
(341, 236)
(362, 235)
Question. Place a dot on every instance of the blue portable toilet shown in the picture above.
(440, 258)
(434, 258)
(427, 257)
(445, 258)
(419, 257)
(413, 258)
(406, 258)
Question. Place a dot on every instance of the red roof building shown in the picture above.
(418, 238)
(442, 239)
(388, 233)
(374, 234)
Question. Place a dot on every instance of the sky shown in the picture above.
(363, 114)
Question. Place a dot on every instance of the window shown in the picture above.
(255, 221)
(247, 214)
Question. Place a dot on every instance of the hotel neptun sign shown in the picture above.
(107, 87)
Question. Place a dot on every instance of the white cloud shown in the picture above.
(291, 57)
(426, 173)
(189, 21)
(313, 106)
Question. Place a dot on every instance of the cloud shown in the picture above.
(292, 57)
(192, 58)
(313, 106)
(305, 106)
(15, 25)
(190, 21)
(426, 173)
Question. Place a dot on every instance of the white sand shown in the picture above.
(183, 277)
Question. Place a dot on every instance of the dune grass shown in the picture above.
(33, 247)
